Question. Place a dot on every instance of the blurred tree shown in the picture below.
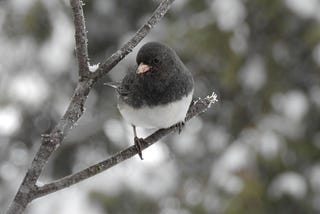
(257, 152)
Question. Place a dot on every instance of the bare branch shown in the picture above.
(80, 37)
(196, 108)
(50, 142)
(113, 60)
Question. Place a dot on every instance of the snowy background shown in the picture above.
(256, 151)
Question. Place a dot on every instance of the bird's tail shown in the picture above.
(115, 85)
(119, 89)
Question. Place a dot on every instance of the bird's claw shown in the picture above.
(137, 143)
(180, 126)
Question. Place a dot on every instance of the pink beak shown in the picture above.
(142, 68)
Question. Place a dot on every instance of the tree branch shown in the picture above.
(115, 58)
(196, 108)
(50, 142)
(80, 37)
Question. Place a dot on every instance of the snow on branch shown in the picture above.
(29, 190)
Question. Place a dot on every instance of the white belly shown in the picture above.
(162, 116)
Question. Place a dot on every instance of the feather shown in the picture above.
(119, 88)
(115, 85)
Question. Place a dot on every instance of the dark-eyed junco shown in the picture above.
(158, 93)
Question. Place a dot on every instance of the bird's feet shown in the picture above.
(137, 143)
(180, 126)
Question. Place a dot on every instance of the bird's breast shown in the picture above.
(159, 116)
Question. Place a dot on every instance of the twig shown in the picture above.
(196, 108)
(113, 60)
(80, 37)
(50, 142)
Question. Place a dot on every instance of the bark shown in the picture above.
(29, 190)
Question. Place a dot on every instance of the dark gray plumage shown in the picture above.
(167, 80)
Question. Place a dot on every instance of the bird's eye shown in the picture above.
(156, 60)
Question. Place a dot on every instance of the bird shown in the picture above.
(158, 93)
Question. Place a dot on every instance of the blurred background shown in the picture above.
(256, 151)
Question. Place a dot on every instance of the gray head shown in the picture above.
(160, 78)
(155, 57)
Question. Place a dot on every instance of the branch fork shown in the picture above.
(29, 189)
